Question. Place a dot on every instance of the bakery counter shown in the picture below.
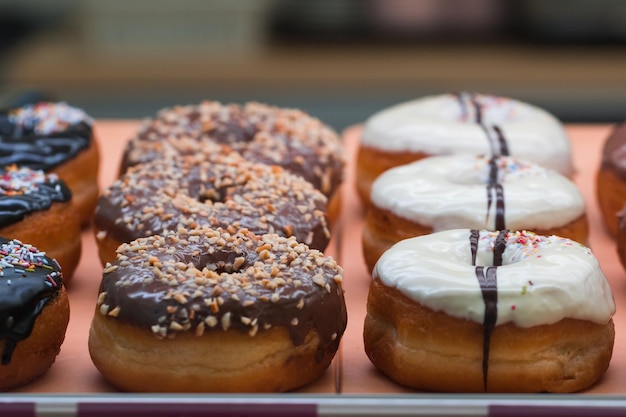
(351, 386)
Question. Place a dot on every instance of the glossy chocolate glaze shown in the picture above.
(214, 190)
(488, 280)
(25, 191)
(28, 280)
(614, 152)
(213, 280)
(288, 138)
(26, 144)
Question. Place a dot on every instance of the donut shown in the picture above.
(465, 310)
(213, 189)
(260, 133)
(611, 178)
(212, 310)
(469, 123)
(56, 138)
(38, 208)
(465, 191)
(34, 312)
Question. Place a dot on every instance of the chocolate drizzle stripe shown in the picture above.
(478, 110)
(487, 278)
(498, 147)
(488, 281)
(502, 143)
(495, 189)
(474, 236)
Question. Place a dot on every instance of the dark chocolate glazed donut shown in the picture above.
(43, 135)
(286, 137)
(206, 280)
(611, 178)
(614, 152)
(28, 281)
(214, 189)
(25, 190)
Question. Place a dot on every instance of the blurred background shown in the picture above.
(340, 60)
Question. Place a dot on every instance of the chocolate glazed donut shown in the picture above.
(217, 293)
(289, 138)
(34, 312)
(38, 208)
(213, 189)
(56, 138)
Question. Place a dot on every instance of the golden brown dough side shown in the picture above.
(371, 162)
(56, 231)
(35, 354)
(424, 349)
(383, 228)
(611, 192)
(81, 176)
(133, 359)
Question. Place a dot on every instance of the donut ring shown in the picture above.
(465, 191)
(611, 178)
(289, 138)
(269, 311)
(214, 189)
(472, 311)
(38, 208)
(34, 312)
(55, 138)
(469, 123)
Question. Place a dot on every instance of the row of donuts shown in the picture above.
(212, 242)
(48, 189)
(475, 238)
(228, 251)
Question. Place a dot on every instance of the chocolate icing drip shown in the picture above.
(488, 281)
(478, 111)
(28, 281)
(14, 205)
(494, 187)
(499, 247)
(24, 146)
(497, 146)
(488, 285)
(502, 143)
(474, 236)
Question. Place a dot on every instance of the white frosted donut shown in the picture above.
(471, 311)
(452, 191)
(541, 281)
(469, 123)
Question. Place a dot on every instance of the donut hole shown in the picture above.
(234, 130)
(214, 195)
(220, 262)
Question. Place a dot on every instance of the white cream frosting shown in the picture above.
(450, 191)
(541, 281)
(439, 125)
